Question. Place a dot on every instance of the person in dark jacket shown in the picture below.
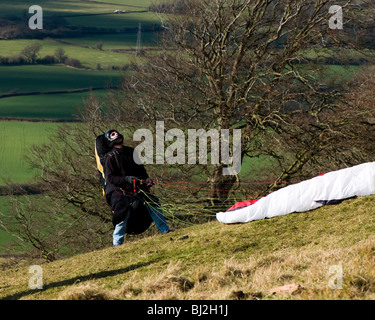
(122, 175)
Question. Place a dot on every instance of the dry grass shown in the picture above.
(216, 262)
(251, 279)
(86, 291)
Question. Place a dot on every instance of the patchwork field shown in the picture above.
(106, 46)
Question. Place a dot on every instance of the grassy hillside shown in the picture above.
(216, 261)
(114, 34)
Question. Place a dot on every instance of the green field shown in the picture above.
(89, 57)
(50, 107)
(116, 21)
(5, 237)
(74, 7)
(97, 14)
(334, 73)
(42, 78)
(15, 140)
(49, 78)
(116, 41)
(28, 79)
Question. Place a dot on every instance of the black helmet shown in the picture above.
(113, 138)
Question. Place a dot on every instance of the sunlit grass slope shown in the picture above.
(216, 261)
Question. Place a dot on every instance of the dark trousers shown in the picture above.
(119, 203)
(135, 212)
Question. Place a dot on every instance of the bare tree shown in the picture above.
(244, 64)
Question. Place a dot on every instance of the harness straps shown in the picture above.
(134, 186)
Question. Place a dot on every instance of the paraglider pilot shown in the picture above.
(122, 174)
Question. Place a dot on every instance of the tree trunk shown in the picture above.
(220, 186)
